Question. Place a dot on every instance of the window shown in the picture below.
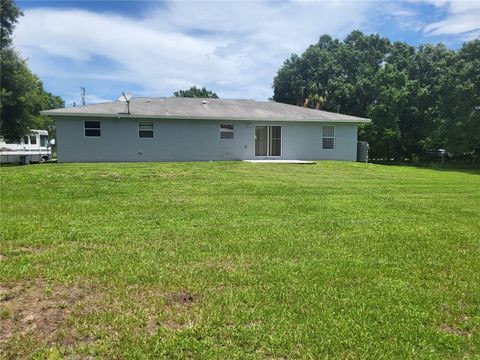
(145, 129)
(44, 140)
(25, 140)
(226, 131)
(92, 128)
(328, 139)
(33, 139)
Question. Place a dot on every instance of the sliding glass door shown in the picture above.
(268, 140)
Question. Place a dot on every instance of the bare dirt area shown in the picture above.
(453, 330)
(33, 306)
(171, 311)
(38, 314)
(181, 298)
(456, 324)
(35, 310)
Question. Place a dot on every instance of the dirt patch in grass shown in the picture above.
(21, 251)
(223, 265)
(178, 313)
(163, 175)
(38, 314)
(36, 309)
(171, 311)
(457, 320)
(453, 330)
(32, 307)
(35, 250)
(181, 298)
(113, 176)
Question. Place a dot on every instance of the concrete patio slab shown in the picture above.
(280, 161)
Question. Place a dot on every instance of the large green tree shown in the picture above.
(418, 98)
(9, 14)
(459, 103)
(22, 95)
(195, 92)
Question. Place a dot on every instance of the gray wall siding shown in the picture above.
(194, 140)
(304, 141)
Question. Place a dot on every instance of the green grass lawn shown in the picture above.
(236, 260)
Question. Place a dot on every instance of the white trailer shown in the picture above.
(34, 147)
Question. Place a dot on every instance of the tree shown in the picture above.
(392, 97)
(22, 95)
(195, 92)
(18, 95)
(418, 98)
(9, 14)
(460, 100)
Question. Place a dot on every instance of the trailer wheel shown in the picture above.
(44, 159)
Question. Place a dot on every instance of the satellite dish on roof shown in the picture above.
(126, 97)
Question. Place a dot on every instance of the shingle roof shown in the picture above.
(197, 108)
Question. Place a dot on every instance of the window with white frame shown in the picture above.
(92, 128)
(226, 131)
(145, 129)
(328, 137)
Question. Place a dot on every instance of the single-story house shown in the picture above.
(193, 129)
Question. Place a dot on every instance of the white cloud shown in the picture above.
(437, 3)
(234, 48)
(454, 25)
(402, 12)
(462, 20)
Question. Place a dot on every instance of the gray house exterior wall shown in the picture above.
(195, 140)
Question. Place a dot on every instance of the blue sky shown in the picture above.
(153, 48)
